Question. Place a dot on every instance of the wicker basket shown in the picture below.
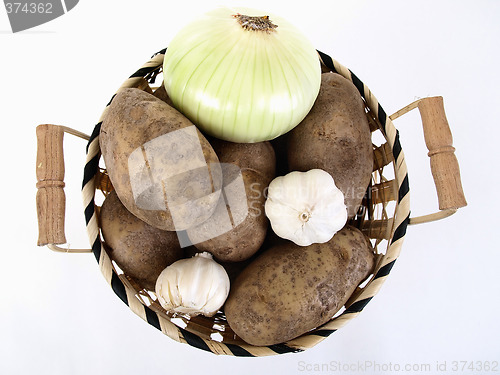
(384, 216)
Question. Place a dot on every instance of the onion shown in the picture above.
(242, 75)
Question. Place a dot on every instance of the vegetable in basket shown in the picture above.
(241, 75)
(238, 227)
(305, 207)
(163, 169)
(140, 250)
(335, 136)
(289, 290)
(193, 286)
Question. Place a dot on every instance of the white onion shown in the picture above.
(241, 84)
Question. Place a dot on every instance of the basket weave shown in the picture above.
(383, 217)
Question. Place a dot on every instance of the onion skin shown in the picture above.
(240, 84)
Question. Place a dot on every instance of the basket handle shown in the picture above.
(443, 161)
(50, 197)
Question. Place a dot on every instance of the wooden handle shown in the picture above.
(444, 164)
(50, 198)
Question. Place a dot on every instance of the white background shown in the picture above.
(441, 300)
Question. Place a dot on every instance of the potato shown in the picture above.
(140, 250)
(258, 156)
(163, 169)
(233, 269)
(239, 225)
(288, 290)
(161, 93)
(335, 136)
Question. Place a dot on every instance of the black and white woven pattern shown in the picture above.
(129, 295)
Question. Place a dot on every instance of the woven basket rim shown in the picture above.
(127, 293)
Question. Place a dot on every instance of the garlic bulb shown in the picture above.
(197, 285)
(306, 207)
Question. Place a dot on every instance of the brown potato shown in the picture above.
(258, 156)
(163, 169)
(239, 225)
(288, 290)
(140, 250)
(335, 136)
(161, 93)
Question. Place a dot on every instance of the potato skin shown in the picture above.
(335, 136)
(257, 164)
(135, 119)
(141, 251)
(289, 290)
(259, 156)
